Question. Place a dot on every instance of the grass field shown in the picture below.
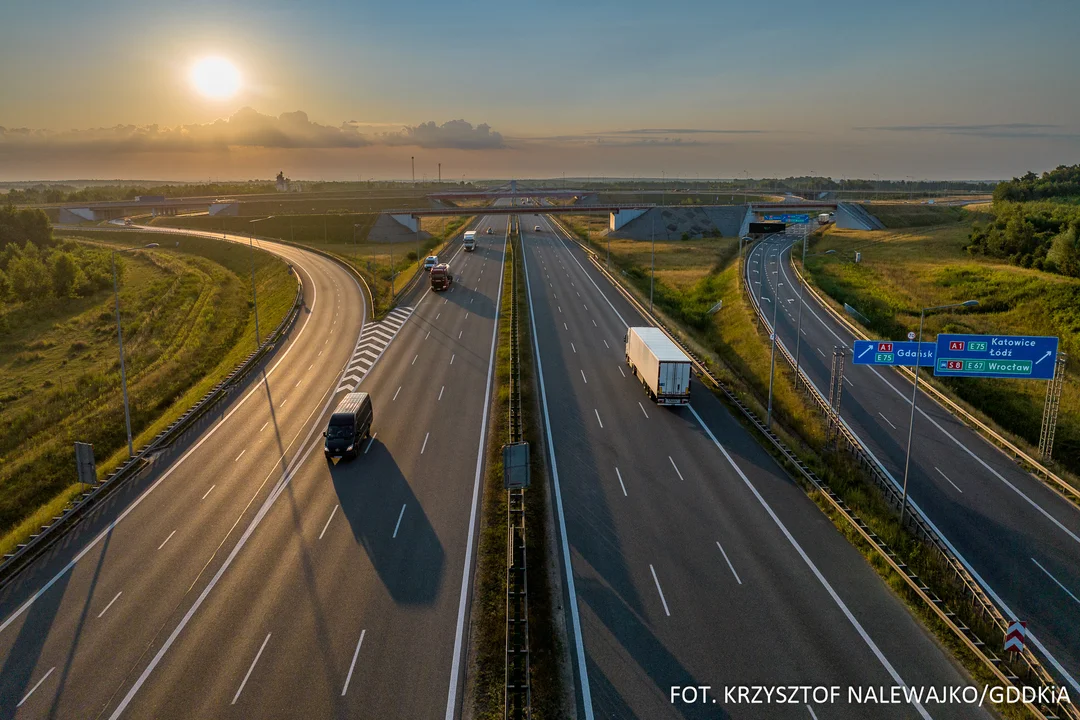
(904, 215)
(904, 271)
(187, 319)
(342, 234)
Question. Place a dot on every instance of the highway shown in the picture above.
(244, 575)
(691, 558)
(1019, 539)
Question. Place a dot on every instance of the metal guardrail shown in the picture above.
(932, 601)
(1049, 478)
(518, 684)
(40, 542)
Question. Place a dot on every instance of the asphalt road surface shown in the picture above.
(245, 575)
(1018, 538)
(691, 557)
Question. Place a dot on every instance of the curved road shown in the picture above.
(1019, 539)
(242, 574)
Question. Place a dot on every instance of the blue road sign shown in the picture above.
(1000, 356)
(887, 352)
(788, 218)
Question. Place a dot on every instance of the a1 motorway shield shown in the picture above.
(888, 352)
(1000, 356)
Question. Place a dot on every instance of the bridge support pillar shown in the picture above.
(619, 218)
(408, 221)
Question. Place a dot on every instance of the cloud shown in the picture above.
(986, 130)
(247, 128)
(454, 134)
(678, 131)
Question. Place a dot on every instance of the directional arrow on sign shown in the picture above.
(1043, 357)
(1014, 638)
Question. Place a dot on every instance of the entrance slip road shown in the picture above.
(691, 556)
(243, 575)
(1020, 539)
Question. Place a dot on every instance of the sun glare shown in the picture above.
(215, 78)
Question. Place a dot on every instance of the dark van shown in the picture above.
(349, 424)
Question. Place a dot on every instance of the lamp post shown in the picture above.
(802, 292)
(254, 295)
(915, 395)
(772, 355)
(652, 274)
(120, 342)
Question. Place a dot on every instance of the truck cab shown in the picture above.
(441, 278)
(469, 244)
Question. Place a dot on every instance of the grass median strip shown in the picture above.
(487, 653)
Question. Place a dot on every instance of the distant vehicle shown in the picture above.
(441, 277)
(470, 240)
(536, 228)
(431, 261)
(662, 367)
(350, 423)
(128, 221)
(489, 231)
(825, 218)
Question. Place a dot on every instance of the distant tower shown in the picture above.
(282, 182)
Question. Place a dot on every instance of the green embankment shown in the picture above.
(341, 234)
(903, 215)
(904, 271)
(187, 320)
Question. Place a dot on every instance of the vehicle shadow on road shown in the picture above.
(372, 491)
(640, 646)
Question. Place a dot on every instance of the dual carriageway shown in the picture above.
(244, 576)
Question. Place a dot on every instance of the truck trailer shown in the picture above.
(662, 367)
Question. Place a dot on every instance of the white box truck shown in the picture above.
(470, 240)
(662, 367)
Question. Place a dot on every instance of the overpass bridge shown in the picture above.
(620, 213)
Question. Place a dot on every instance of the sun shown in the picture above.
(215, 78)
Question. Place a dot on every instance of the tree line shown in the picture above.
(1036, 222)
(34, 267)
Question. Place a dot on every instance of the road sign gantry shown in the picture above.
(996, 356)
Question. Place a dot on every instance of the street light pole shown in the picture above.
(120, 342)
(652, 275)
(254, 294)
(772, 354)
(915, 395)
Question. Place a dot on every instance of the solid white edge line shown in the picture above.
(659, 590)
(575, 619)
(1069, 592)
(352, 665)
(208, 491)
(810, 563)
(619, 474)
(728, 561)
(246, 676)
(466, 573)
(398, 525)
(370, 442)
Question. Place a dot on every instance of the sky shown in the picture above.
(952, 89)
